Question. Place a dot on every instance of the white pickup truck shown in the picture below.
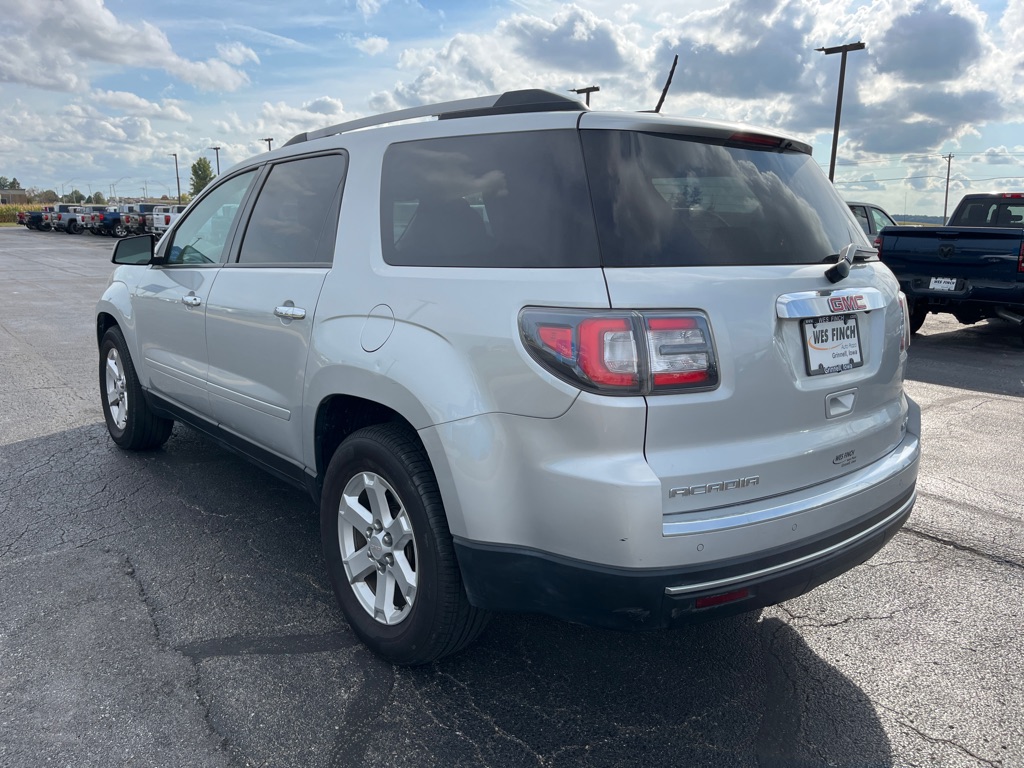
(162, 216)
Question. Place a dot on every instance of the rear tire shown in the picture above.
(130, 422)
(389, 552)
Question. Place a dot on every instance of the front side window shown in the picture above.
(491, 200)
(671, 200)
(289, 223)
(203, 234)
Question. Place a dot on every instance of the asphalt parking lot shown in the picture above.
(171, 609)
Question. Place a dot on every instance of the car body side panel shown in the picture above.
(172, 333)
(257, 358)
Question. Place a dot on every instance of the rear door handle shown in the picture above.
(290, 313)
(191, 300)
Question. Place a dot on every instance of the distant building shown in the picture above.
(13, 196)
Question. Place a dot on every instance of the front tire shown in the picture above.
(120, 230)
(389, 552)
(130, 422)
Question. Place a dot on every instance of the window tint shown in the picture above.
(498, 200)
(202, 235)
(669, 200)
(289, 221)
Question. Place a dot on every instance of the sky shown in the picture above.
(98, 94)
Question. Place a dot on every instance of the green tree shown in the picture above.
(48, 197)
(202, 174)
(5, 183)
(98, 198)
(15, 184)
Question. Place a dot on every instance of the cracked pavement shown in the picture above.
(171, 609)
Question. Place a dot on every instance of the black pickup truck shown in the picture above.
(972, 268)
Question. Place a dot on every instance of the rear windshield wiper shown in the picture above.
(844, 259)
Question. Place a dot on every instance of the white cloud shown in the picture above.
(237, 54)
(369, 7)
(134, 104)
(64, 51)
(372, 46)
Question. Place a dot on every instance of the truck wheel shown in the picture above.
(389, 552)
(130, 422)
(45, 226)
(120, 230)
(917, 318)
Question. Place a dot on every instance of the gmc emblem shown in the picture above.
(846, 303)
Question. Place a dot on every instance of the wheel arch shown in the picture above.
(339, 415)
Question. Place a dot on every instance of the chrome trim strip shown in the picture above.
(815, 303)
(793, 563)
(882, 470)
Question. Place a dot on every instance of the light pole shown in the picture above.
(216, 151)
(843, 49)
(269, 148)
(113, 186)
(176, 176)
(62, 195)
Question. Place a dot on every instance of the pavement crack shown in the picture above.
(966, 548)
(904, 721)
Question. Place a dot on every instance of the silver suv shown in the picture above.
(619, 368)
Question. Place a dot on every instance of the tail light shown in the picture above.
(904, 323)
(167, 219)
(622, 352)
(1020, 258)
(60, 216)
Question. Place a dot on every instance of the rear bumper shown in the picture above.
(520, 580)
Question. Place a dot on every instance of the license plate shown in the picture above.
(832, 344)
(943, 284)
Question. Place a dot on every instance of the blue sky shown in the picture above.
(96, 94)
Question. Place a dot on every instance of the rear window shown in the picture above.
(665, 200)
(989, 213)
(492, 200)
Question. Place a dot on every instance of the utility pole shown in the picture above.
(269, 148)
(945, 205)
(216, 151)
(586, 91)
(176, 176)
(843, 49)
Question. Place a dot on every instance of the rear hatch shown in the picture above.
(741, 230)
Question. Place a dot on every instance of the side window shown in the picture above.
(492, 200)
(881, 219)
(862, 218)
(202, 236)
(289, 221)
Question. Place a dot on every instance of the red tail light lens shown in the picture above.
(1020, 259)
(167, 219)
(622, 353)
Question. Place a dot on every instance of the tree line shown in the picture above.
(201, 170)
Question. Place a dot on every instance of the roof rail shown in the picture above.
(530, 100)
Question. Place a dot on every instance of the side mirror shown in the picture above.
(134, 250)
